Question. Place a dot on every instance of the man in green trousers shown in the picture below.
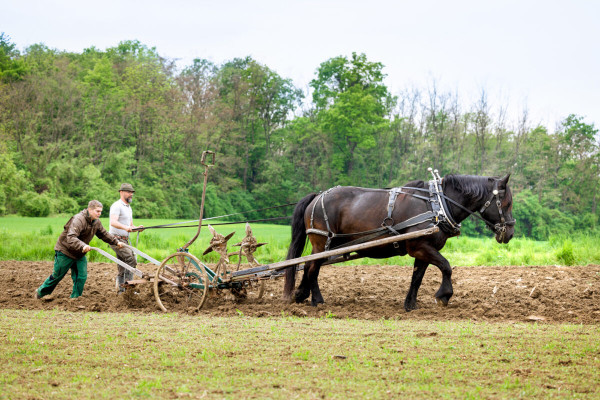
(71, 247)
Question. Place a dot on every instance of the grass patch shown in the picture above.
(33, 239)
(62, 355)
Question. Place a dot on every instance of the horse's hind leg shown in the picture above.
(316, 298)
(418, 272)
(303, 290)
(310, 284)
(290, 282)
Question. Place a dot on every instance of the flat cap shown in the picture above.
(126, 187)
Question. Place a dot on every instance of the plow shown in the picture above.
(183, 280)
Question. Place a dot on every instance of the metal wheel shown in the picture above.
(181, 283)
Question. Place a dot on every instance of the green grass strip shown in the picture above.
(33, 239)
(64, 355)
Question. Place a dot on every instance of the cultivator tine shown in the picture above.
(171, 270)
(248, 246)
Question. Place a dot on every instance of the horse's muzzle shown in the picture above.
(504, 233)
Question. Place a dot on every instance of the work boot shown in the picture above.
(120, 281)
(127, 276)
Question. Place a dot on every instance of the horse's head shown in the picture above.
(498, 209)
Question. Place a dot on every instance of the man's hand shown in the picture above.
(86, 248)
(139, 228)
(120, 245)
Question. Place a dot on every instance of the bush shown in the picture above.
(66, 205)
(32, 204)
(565, 253)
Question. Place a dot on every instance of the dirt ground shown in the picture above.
(551, 294)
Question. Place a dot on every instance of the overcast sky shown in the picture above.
(543, 55)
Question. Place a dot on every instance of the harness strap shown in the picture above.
(374, 233)
(392, 201)
(416, 220)
(389, 221)
(312, 213)
(490, 224)
(329, 234)
(444, 209)
(319, 232)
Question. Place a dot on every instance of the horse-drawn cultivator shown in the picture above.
(182, 279)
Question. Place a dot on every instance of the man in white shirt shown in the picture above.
(121, 224)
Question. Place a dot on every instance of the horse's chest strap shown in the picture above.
(329, 234)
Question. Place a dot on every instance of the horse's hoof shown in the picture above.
(316, 303)
(441, 302)
(299, 297)
(408, 307)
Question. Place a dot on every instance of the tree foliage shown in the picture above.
(74, 126)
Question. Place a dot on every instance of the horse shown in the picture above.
(344, 214)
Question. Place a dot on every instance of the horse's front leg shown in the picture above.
(445, 291)
(418, 272)
(427, 253)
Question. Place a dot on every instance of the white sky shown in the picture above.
(543, 55)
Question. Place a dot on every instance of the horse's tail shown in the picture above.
(298, 243)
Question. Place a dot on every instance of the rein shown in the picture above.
(499, 228)
(175, 224)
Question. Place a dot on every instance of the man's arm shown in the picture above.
(114, 222)
(102, 234)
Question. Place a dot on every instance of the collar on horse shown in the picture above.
(448, 224)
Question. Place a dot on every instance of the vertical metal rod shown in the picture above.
(206, 165)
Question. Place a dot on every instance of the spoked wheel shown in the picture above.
(252, 290)
(181, 283)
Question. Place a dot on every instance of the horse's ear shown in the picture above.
(504, 179)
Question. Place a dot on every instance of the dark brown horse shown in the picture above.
(346, 210)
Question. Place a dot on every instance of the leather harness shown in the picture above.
(439, 214)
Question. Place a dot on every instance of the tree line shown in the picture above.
(76, 125)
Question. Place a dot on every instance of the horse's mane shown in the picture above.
(472, 186)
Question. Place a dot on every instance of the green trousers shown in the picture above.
(62, 265)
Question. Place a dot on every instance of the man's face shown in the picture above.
(95, 212)
(127, 196)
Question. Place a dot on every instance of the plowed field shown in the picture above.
(555, 294)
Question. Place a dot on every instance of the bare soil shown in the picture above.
(555, 294)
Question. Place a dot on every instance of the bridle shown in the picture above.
(499, 228)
